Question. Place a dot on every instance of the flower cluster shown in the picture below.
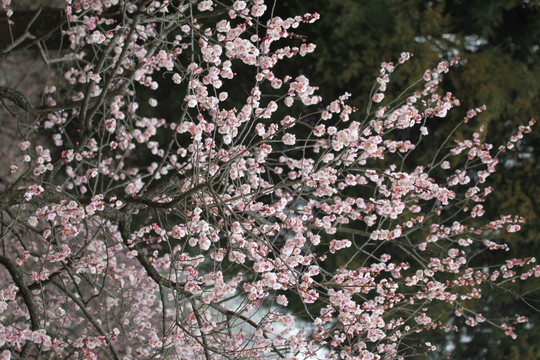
(165, 205)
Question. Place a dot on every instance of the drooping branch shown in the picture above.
(18, 279)
(162, 281)
(148, 267)
(27, 297)
(89, 316)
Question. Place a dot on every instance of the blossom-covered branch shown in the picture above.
(178, 194)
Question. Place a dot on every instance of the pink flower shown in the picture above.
(258, 10)
(289, 139)
(205, 5)
(176, 78)
(282, 300)
(239, 5)
(378, 97)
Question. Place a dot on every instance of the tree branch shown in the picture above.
(160, 280)
(18, 279)
(89, 316)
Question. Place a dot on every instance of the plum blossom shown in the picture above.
(191, 231)
(378, 97)
(289, 139)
